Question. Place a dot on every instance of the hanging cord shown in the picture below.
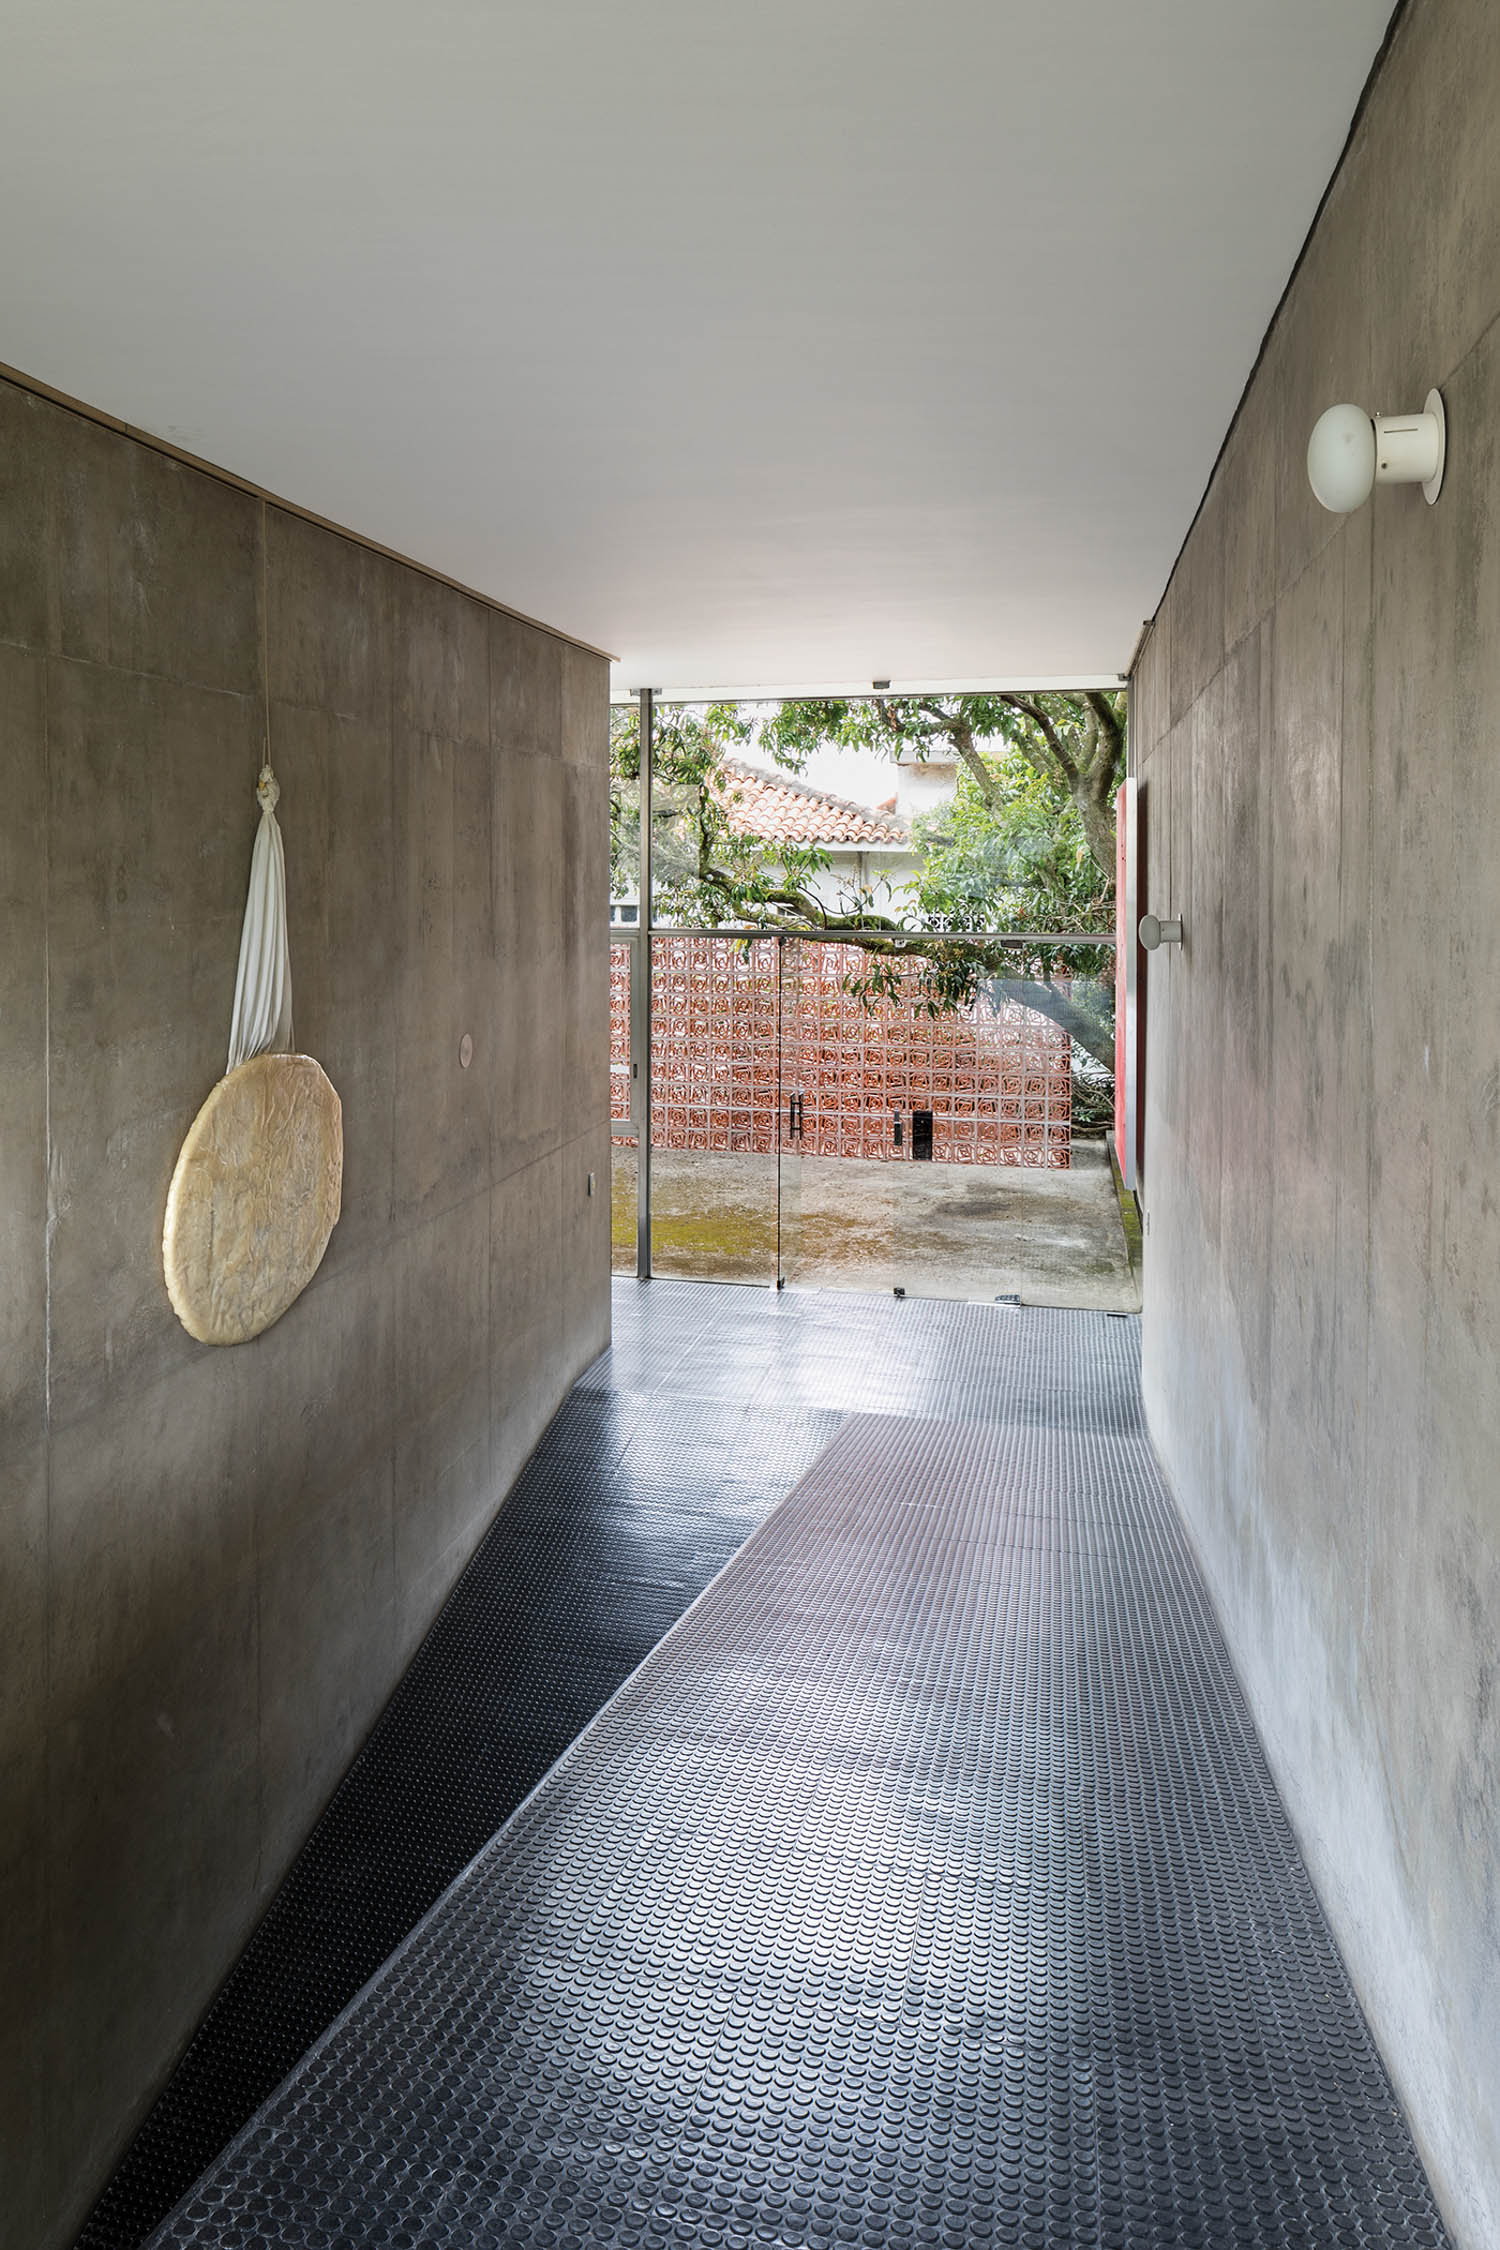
(265, 644)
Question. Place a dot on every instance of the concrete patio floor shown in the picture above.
(934, 1230)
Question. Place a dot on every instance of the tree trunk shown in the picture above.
(1097, 812)
(1092, 1029)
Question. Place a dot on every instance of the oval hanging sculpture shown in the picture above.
(254, 1198)
(259, 1180)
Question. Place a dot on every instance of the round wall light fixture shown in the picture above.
(1350, 452)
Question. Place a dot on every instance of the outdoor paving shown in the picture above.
(934, 1230)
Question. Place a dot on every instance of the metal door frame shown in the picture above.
(639, 939)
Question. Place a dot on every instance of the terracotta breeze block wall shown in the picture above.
(726, 1046)
(215, 1564)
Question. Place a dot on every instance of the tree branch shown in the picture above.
(1083, 1024)
(1109, 726)
(1066, 764)
(811, 909)
(984, 781)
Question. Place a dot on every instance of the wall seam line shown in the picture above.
(255, 1490)
(48, 1915)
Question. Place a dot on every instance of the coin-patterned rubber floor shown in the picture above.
(926, 1884)
(624, 1513)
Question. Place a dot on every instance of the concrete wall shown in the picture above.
(1316, 722)
(215, 1564)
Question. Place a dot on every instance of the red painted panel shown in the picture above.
(1124, 1077)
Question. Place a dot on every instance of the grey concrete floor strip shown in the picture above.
(925, 1885)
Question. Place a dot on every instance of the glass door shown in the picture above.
(624, 1105)
(796, 1027)
(714, 1132)
(1004, 1188)
(928, 1116)
(941, 1121)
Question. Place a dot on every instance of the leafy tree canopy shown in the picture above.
(1075, 741)
(1026, 845)
(1009, 856)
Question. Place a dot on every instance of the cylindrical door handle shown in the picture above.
(1153, 931)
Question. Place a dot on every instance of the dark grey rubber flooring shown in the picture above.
(629, 1506)
(925, 1885)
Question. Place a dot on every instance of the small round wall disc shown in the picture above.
(254, 1198)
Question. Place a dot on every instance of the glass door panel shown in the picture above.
(932, 1118)
(838, 1183)
(713, 1107)
(623, 1130)
(1008, 1192)
(938, 1124)
(1062, 1217)
(795, 1051)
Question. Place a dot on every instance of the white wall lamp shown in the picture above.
(1351, 451)
(1152, 932)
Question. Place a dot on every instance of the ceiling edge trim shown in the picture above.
(860, 691)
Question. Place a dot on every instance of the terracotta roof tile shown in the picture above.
(778, 810)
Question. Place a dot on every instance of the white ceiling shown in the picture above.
(778, 343)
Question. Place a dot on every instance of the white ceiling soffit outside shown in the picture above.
(771, 344)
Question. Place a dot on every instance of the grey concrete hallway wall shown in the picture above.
(215, 1564)
(1316, 723)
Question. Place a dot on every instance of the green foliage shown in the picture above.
(1026, 845)
(706, 873)
(1013, 860)
(1015, 850)
(1074, 742)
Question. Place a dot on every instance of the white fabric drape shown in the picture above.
(262, 1022)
